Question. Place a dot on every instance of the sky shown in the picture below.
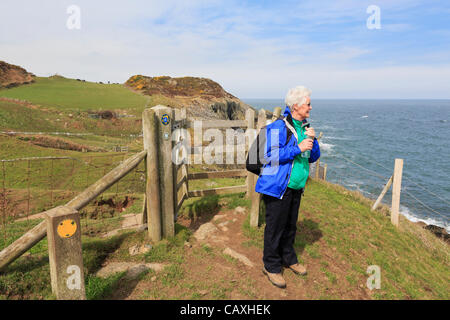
(254, 49)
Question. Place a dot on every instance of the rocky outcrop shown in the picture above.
(13, 76)
(203, 98)
(439, 232)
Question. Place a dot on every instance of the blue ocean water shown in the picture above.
(362, 138)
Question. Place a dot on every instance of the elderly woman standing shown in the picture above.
(290, 147)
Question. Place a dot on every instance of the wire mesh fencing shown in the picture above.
(30, 186)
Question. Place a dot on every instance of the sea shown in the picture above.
(362, 138)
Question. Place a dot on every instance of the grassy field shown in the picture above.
(69, 94)
(57, 104)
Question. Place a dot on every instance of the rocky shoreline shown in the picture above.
(439, 232)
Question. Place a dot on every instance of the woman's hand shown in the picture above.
(306, 144)
(310, 132)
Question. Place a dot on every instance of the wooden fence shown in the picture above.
(167, 186)
(396, 182)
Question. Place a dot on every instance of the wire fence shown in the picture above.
(29, 186)
(380, 179)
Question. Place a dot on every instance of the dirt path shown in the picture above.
(209, 273)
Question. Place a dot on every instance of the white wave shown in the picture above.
(325, 146)
(411, 217)
(364, 116)
(323, 127)
(351, 185)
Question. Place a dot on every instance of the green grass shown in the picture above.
(414, 264)
(335, 226)
(171, 249)
(29, 276)
(62, 105)
(98, 288)
(16, 117)
(71, 94)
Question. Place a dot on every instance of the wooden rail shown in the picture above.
(218, 124)
(220, 149)
(224, 190)
(217, 174)
(36, 234)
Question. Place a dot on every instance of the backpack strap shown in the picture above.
(288, 131)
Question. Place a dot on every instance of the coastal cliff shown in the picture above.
(202, 97)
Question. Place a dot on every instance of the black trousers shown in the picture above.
(281, 227)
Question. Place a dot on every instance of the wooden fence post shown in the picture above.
(383, 192)
(144, 218)
(250, 118)
(165, 117)
(181, 169)
(276, 113)
(152, 195)
(396, 189)
(255, 196)
(65, 255)
(318, 162)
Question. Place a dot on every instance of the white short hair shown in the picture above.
(297, 95)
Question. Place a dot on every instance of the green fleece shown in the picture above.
(300, 169)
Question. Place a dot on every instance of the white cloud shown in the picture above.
(232, 45)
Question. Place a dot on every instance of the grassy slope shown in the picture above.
(69, 94)
(338, 238)
(61, 105)
(414, 264)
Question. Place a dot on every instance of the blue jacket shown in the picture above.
(279, 156)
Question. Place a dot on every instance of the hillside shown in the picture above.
(77, 95)
(338, 237)
(13, 76)
(202, 97)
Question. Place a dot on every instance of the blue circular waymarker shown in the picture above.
(165, 119)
